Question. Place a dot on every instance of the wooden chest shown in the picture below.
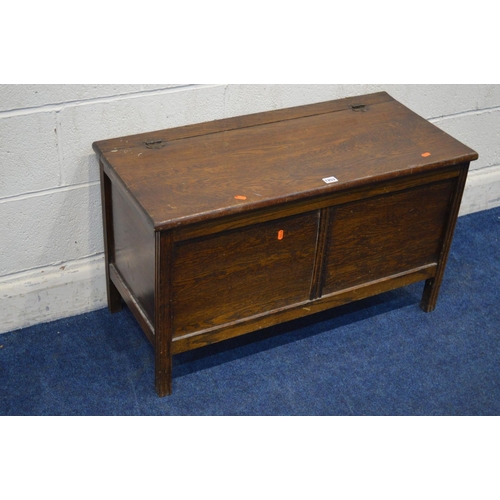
(218, 229)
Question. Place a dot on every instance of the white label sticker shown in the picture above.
(330, 180)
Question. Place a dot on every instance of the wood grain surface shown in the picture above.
(204, 171)
(243, 272)
(386, 235)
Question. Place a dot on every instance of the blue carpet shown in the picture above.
(379, 356)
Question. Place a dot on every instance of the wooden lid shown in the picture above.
(198, 172)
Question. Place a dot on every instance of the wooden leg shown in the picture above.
(114, 298)
(430, 295)
(163, 373)
(115, 303)
(432, 285)
(163, 314)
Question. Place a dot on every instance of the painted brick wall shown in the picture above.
(51, 249)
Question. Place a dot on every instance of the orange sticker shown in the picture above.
(281, 234)
(240, 197)
(425, 155)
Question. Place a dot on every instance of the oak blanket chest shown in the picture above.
(221, 228)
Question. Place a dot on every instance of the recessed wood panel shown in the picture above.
(386, 235)
(134, 252)
(241, 273)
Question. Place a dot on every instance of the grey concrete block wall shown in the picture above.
(50, 222)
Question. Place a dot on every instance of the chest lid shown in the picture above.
(198, 172)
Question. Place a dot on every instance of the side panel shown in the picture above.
(134, 247)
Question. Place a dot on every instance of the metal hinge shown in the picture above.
(155, 144)
(358, 107)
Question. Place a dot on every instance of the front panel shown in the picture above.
(386, 235)
(229, 276)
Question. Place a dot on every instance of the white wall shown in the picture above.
(51, 249)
